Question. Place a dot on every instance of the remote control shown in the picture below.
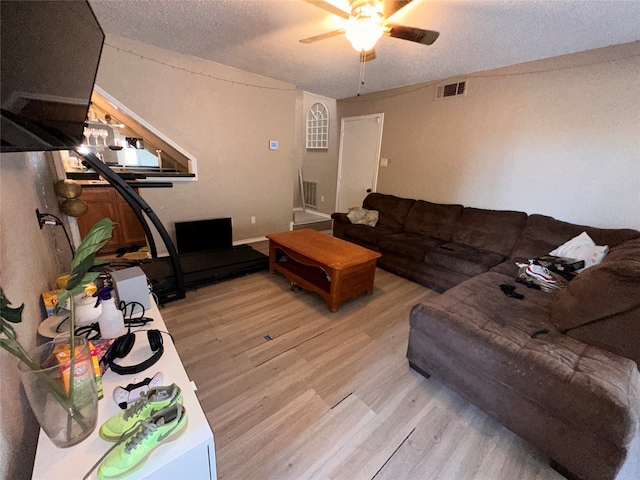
(123, 396)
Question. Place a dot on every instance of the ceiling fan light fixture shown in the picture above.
(365, 27)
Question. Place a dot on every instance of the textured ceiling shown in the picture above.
(261, 36)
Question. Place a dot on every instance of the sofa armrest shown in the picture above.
(339, 221)
(340, 217)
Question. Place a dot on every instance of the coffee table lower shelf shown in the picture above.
(334, 285)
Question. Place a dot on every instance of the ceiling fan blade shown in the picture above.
(322, 36)
(329, 7)
(370, 55)
(418, 35)
(389, 7)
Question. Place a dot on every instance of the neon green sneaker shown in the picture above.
(136, 446)
(147, 405)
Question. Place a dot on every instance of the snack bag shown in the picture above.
(82, 374)
(96, 369)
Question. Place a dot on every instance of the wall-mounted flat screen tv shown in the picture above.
(201, 235)
(49, 61)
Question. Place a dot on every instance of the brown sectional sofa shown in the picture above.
(555, 368)
(459, 242)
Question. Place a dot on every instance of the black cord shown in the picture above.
(64, 229)
(60, 324)
(128, 310)
(73, 252)
(124, 307)
(90, 332)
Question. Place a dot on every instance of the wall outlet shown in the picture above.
(384, 162)
(253, 219)
(321, 198)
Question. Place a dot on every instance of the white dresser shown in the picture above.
(190, 456)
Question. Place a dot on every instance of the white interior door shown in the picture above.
(360, 141)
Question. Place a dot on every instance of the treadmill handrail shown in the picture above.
(129, 194)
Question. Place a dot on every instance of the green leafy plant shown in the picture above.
(85, 259)
(79, 278)
(9, 340)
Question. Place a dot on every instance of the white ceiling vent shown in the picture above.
(451, 90)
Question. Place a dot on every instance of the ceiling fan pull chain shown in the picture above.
(363, 56)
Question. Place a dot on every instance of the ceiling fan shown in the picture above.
(368, 21)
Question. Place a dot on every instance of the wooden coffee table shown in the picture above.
(335, 269)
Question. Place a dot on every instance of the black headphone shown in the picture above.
(123, 345)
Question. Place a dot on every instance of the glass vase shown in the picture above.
(66, 410)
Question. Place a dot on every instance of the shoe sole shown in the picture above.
(541, 276)
(114, 438)
(108, 438)
(178, 431)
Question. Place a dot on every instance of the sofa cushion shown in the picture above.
(629, 251)
(617, 334)
(478, 303)
(366, 234)
(509, 267)
(500, 337)
(492, 230)
(542, 234)
(462, 258)
(412, 245)
(393, 210)
(603, 291)
(433, 220)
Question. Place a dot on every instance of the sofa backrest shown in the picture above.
(493, 230)
(433, 219)
(393, 210)
(601, 306)
(543, 234)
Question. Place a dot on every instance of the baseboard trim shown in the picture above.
(315, 212)
(249, 240)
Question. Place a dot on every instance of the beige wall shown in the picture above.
(321, 166)
(225, 118)
(30, 260)
(559, 137)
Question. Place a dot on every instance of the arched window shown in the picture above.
(318, 126)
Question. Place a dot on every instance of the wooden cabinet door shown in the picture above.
(131, 230)
(107, 202)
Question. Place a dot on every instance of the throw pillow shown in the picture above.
(584, 248)
(362, 216)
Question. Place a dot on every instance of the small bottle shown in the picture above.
(111, 321)
(91, 114)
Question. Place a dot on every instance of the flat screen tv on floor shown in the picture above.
(202, 235)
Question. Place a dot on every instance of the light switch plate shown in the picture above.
(384, 162)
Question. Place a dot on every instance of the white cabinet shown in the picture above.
(190, 456)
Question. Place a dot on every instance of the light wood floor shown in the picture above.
(331, 394)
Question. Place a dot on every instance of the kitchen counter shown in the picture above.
(137, 178)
